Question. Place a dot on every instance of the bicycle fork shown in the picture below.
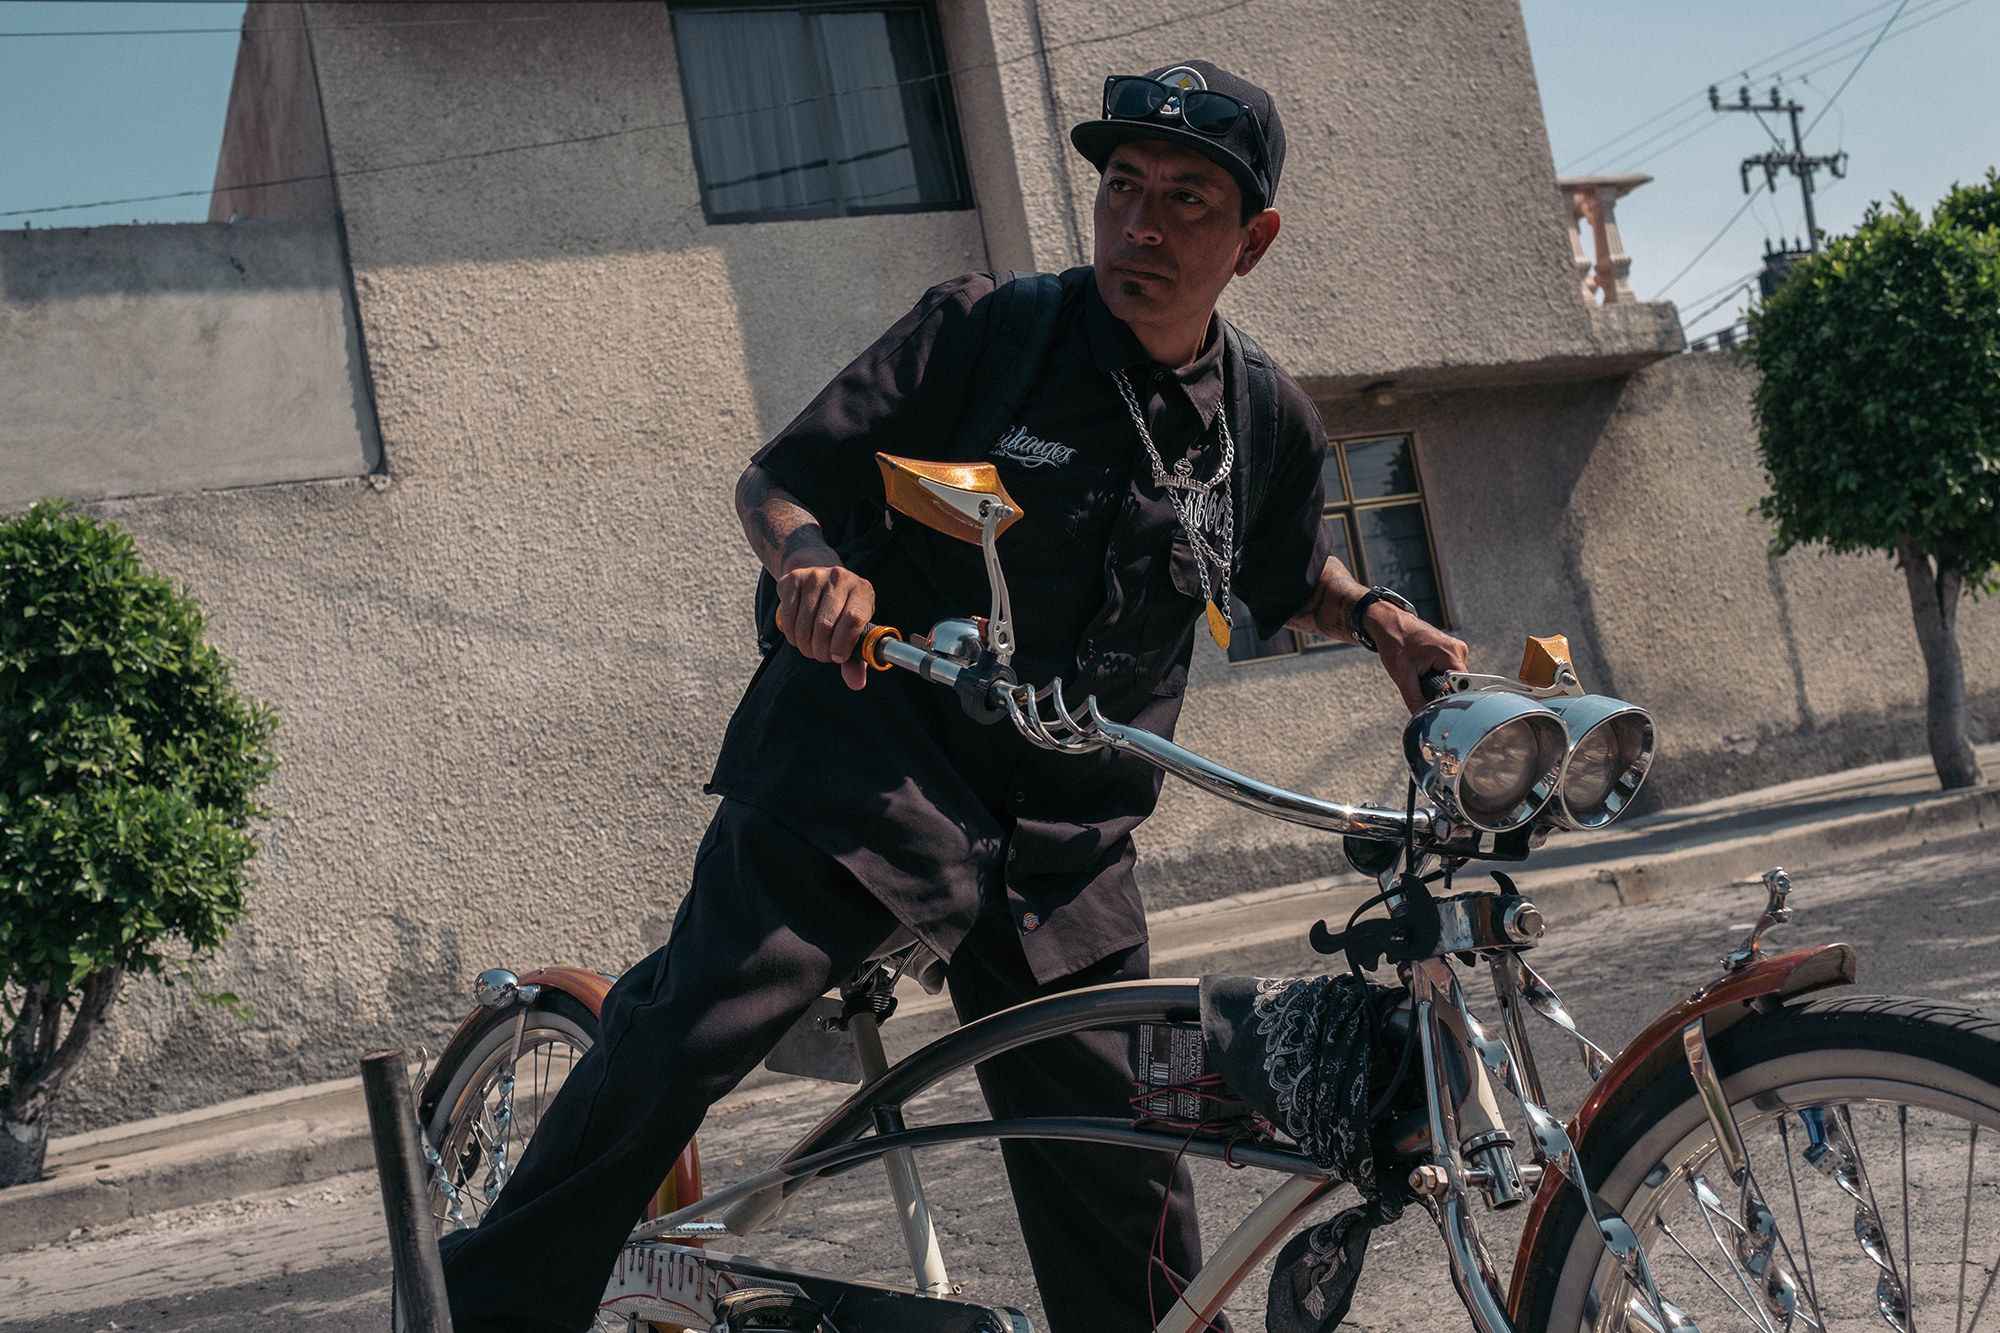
(1464, 1122)
(905, 1185)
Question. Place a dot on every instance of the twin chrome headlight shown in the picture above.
(1495, 759)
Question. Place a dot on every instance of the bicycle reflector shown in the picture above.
(1611, 748)
(1491, 760)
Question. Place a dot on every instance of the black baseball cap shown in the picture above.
(1253, 160)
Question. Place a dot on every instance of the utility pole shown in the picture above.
(1773, 162)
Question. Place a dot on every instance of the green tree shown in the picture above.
(129, 772)
(1879, 419)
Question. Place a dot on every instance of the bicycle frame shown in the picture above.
(664, 1275)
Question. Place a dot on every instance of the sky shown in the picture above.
(1623, 82)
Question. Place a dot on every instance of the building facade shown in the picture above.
(440, 417)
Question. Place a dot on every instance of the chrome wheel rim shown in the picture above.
(1886, 1213)
(490, 1122)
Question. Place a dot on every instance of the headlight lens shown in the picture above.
(1608, 762)
(1486, 759)
(1502, 767)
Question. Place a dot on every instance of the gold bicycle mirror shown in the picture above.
(954, 498)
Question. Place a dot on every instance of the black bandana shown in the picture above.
(1300, 1053)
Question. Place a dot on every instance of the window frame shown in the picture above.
(1343, 510)
(948, 102)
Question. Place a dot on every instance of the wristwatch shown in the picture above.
(1357, 615)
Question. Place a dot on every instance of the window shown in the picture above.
(1375, 509)
(822, 110)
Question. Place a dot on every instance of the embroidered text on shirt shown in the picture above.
(1017, 446)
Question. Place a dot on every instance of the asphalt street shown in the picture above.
(314, 1258)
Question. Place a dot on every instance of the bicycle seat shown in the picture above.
(921, 965)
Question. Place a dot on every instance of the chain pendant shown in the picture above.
(1218, 626)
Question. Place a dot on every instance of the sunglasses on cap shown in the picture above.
(1135, 97)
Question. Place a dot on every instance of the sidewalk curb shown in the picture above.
(331, 1138)
(1576, 890)
(260, 1157)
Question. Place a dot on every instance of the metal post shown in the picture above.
(399, 1164)
(906, 1187)
(1805, 179)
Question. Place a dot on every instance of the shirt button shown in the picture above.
(1013, 853)
(1019, 798)
(1030, 922)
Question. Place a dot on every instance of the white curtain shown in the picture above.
(803, 109)
(756, 120)
(871, 139)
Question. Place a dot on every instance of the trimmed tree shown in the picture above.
(129, 772)
(1879, 419)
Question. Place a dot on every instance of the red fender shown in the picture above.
(1723, 1002)
(683, 1184)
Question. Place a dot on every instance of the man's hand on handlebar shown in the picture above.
(823, 610)
(1412, 649)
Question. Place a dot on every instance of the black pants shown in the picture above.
(770, 925)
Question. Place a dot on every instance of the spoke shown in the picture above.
(1868, 1185)
(1710, 1208)
(1730, 1296)
(1965, 1228)
(1909, 1255)
(1985, 1291)
(1799, 1212)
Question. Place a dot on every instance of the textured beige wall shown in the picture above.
(1422, 228)
(503, 675)
(1760, 670)
(166, 358)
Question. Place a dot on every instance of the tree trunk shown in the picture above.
(38, 1066)
(1934, 603)
(23, 1149)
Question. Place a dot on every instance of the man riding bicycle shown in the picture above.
(1167, 470)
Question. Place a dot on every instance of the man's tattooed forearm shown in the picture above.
(1326, 611)
(777, 526)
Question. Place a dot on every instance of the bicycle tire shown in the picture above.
(461, 1096)
(1880, 1067)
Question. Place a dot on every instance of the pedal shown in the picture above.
(766, 1310)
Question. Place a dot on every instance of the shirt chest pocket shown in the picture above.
(1184, 569)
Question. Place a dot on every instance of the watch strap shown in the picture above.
(1357, 615)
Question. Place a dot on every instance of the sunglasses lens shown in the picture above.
(1210, 113)
(1134, 99)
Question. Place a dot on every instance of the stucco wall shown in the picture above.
(169, 358)
(505, 673)
(1422, 229)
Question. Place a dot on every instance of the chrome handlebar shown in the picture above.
(1085, 729)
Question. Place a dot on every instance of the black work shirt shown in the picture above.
(933, 812)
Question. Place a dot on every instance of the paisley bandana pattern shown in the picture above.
(1300, 1053)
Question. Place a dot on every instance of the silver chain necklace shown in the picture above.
(1189, 497)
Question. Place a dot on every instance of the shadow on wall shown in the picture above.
(84, 263)
(172, 358)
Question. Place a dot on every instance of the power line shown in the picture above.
(328, 27)
(1734, 219)
(1696, 98)
(652, 128)
(1706, 125)
(1858, 64)
(1757, 71)
(1734, 283)
(1727, 297)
